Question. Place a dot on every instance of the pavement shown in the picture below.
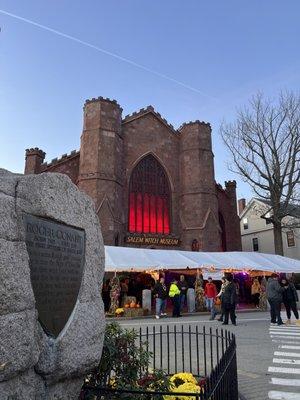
(267, 369)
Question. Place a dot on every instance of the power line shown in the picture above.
(109, 53)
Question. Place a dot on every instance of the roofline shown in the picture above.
(248, 205)
(145, 111)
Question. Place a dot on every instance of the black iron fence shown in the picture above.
(210, 355)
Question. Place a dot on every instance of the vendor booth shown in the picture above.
(120, 261)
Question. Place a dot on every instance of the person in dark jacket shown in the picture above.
(183, 286)
(290, 298)
(274, 296)
(161, 294)
(220, 296)
(229, 299)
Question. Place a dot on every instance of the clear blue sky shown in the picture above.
(226, 50)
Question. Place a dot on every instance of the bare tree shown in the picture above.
(264, 142)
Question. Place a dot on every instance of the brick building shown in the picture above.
(153, 186)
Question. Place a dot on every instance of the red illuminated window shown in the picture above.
(149, 198)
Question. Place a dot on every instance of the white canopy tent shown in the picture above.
(135, 259)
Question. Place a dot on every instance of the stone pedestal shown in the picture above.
(33, 364)
(146, 300)
(191, 300)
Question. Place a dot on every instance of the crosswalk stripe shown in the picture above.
(285, 337)
(284, 327)
(277, 328)
(285, 381)
(289, 347)
(283, 370)
(286, 341)
(296, 331)
(286, 354)
(286, 361)
(288, 333)
(275, 395)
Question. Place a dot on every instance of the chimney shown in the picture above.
(242, 205)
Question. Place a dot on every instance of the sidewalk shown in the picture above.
(194, 314)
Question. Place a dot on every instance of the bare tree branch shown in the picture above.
(264, 142)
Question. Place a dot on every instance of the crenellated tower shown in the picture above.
(101, 164)
(198, 200)
(34, 158)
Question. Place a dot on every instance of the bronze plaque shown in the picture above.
(56, 254)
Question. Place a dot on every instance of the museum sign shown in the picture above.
(152, 240)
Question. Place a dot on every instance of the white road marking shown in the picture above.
(284, 354)
(287, 333)
(285, 337)
(285, 382)
(286, 341)
(286, 361)
(283, 331)
(275, 395)
(283, 370)
(284, 326)
(291, 334)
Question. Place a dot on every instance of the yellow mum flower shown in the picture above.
(186, 387)
(183, 377)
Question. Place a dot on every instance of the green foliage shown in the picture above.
(125, 365)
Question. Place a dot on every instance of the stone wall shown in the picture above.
(34, 365)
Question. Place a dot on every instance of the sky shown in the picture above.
(193, 59)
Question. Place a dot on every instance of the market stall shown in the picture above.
(124, 261)
(129, 258)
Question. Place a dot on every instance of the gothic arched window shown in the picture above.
(149, 198)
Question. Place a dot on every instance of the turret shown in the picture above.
(101, 163)
(199, 205)
(33, 160)
(230, 188)
(232, 218)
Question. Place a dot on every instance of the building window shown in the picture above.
(255, 244)
(245, 223)
(290, 238)
(149, 198)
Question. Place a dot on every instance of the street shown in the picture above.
(265, 354)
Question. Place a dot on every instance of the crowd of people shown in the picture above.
(177, 292)
(223, 301)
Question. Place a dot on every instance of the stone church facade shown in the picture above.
(152, 185)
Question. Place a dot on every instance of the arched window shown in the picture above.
(149, 198)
